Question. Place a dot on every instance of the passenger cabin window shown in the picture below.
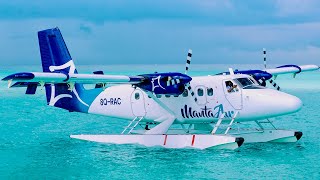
(158, 95)
(137, 96)
(167, 95)
(200, 92)
(210, 92)
(185, 93)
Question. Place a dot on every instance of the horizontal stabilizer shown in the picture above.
(31, 88)
(23, 84)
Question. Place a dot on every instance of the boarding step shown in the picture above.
(228, 126)
(132, 124)
(265, 122)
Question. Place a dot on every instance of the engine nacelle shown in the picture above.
(256, 74)
(165, 83)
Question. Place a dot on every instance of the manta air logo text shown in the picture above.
(188, 112)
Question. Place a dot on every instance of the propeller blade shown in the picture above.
(274, 84)
(262, 82)
(265, 58)
(188, 61)
(191, 91)
(186, 72)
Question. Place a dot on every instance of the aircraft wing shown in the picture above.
(266, 75)
(172, 83)
(291, 69)
(25, 78)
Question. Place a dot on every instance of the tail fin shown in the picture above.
(54, 52)
(55, 57)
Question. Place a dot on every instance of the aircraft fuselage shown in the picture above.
(213, 99)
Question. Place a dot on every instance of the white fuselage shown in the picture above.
(213, 99)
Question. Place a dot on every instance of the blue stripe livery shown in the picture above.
(56, 58)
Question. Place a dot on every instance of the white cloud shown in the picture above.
(297, 7)
(162, 41)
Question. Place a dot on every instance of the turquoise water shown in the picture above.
(35, 143)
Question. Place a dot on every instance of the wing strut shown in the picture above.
(163, 127)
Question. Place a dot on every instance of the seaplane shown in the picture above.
(167, 109)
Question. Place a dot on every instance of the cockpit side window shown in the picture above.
(248, 83)
(231, 87)
(244, 81)
(254, 81)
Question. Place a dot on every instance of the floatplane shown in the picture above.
(169, 109)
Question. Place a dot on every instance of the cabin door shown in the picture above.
(201, 94)
(137, 103)
(233, 94)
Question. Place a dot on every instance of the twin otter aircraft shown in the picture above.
(202, 108)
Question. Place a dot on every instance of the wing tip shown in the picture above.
(19, 76)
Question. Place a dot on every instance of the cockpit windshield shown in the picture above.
(248, 83)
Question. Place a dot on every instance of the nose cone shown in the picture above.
(288, 103)
(270, 103)
(185, 78)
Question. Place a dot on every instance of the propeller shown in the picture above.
(172, 80)
(262, 81)
(189, 56)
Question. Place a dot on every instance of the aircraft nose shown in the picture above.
(266, 103)
(290, 103)
(283, 103)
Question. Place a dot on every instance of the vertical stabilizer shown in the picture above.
(56, 58)
(54, 53)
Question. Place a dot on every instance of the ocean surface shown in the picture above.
(35, 143)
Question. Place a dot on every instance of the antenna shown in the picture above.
(265, 58)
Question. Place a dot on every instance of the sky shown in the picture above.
(103, 32)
